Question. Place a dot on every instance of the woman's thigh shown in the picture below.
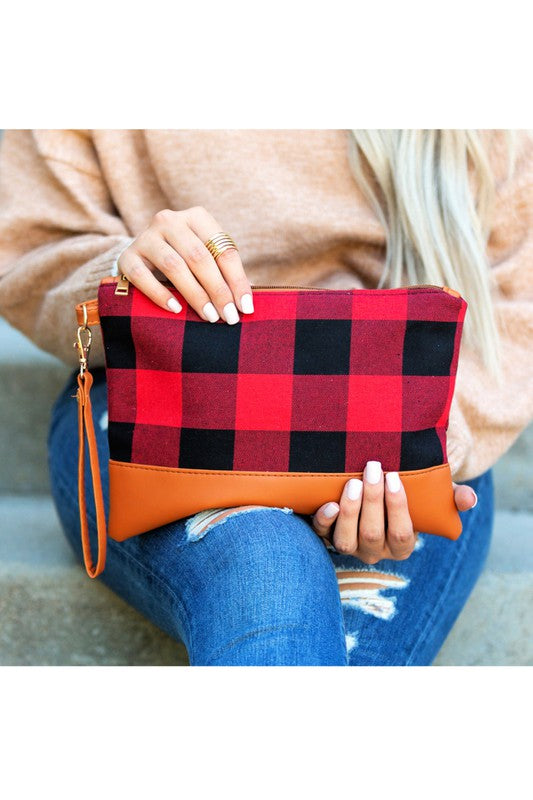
(251, 587)
(400, 612)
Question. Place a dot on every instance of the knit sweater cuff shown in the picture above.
(106, 264)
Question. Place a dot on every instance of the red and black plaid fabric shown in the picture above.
(313, 381)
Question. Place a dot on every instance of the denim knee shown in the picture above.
(265, 588)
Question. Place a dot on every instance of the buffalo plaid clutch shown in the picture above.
(280, 409)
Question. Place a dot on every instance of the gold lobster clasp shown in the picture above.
(83, 342)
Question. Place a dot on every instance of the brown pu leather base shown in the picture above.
(145, 497)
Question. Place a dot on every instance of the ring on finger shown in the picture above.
(219, 243)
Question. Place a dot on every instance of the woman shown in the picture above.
(329, 208)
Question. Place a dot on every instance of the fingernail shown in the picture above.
(247, 304)
(373, 471)
(330, 510)
(210, 312)
(475, 495)
(393, 481)
(231, 315)
(354, 488)
(173, 304)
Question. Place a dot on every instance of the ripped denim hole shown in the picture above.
(198, 525)
(352, 641)
(419, 544)
(363, 590)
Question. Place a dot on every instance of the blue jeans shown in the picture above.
(258, 587)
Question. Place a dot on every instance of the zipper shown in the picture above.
(122, 287)
(326, 289)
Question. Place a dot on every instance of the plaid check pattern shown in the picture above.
(313, 381)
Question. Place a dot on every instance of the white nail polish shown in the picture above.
(330, 510)
(173, 304)
(475, 504)
(373, 471)
(393, 481)
(247, 304)
(354, 488)
(231, 315)
(210, 312)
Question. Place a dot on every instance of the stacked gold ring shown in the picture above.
(219, 243)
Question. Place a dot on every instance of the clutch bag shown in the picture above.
(277, 410)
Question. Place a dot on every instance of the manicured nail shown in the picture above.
(330, 510)
(373, 471)
(247, 304)
(354, 488)
(475, 495)
(231, 315)
(210, 312)
(393, 481)
(173, 304)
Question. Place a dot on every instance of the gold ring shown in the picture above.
(219, 243)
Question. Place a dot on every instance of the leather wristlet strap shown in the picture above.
(85, 426)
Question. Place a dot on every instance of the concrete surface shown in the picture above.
(52, 614)
(495, 627)
(30, 380)
(513, 475)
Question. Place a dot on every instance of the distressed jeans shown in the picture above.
(256, 586)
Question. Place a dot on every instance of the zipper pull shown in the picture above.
(123, 285)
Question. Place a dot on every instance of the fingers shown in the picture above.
(133, 266)
(204, 268)
(345, 534)
(174, 244)
(229, 263)
(400, 534)
(159, 253)
(372, 520)
(324, 518)
(356, 525)
(465, 497)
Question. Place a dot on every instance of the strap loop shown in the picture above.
(85, 426)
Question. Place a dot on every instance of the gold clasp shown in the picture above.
(123, 285)
(83, 342)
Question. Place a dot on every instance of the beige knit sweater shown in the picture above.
(70, 201)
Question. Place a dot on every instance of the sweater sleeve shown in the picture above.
(59, 235)
(487, 417)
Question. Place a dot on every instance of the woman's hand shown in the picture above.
(359, 517)
(174, 244)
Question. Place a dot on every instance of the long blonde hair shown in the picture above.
(436, 222)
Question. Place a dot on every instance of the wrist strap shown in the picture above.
(85, 426)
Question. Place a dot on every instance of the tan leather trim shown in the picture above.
(145, 497)
(85, 426)
(93, 318)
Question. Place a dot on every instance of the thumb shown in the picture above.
(324, 518)
(465, 497)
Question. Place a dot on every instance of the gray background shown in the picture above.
(52, 614)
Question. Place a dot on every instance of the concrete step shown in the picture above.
(30, 380)
(513, 477)
(496, 625)
(27, 393)
(52, 614)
